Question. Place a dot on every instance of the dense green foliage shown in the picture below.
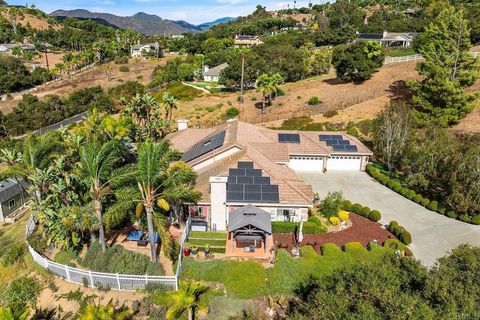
(357, 62)
(448, 70)
(14, 76)
(330, 205)
(312, 226)
(392, 288)
(21, 292)
(12, 254)
(119, 260)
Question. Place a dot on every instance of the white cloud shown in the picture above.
(231, 1)
(108, 2)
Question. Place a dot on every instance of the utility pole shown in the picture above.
(241, 78)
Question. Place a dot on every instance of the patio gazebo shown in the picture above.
(249, 229)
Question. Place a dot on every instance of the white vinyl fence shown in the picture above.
(113, 281)
(415, 57)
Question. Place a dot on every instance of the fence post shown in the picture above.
(118, 282)
(146, 279)
(176, 283)
(68, 273)
(91, 278)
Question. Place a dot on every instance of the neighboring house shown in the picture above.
(246, 41)
(7, 47)
(240, 163)
(213, 74)
(390, 39)
(12, 198)
(177, 36)
(139, 49)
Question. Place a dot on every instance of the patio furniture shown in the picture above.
(142, 243)
(134, 235)
(156, 237)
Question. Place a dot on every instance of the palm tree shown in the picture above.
(263, 85)
(189, 298)
(152, 181)
(97, 162)
(101, 312)
(275, 80)
(38, 152)
(169, 104)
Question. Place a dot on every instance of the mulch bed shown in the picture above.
(362, 230)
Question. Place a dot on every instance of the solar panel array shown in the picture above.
(204, 146)
(288, 138)
(246, 184)
(337, 143)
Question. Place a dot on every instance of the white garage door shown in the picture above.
(306, 163)
(346, 163)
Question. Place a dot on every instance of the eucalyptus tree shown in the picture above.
(149, 186)
(97, 165)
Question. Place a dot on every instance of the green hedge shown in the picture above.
(312, 226)
(365, 212)
(399, 232)
(412, 195)
(117, 259)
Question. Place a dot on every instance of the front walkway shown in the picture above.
(433, 235)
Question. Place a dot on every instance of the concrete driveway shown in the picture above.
(433, 235)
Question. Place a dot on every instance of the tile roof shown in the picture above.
(215, 71)
(259, 145)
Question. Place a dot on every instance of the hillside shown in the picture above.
(32, 18)
(208, 25)
(3, 3)
(141, 22)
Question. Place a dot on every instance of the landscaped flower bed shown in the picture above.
(399, 187)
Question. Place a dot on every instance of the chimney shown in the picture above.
(182, 124)
(218, 208)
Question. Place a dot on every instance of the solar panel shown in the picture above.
(235, 187)
(270, 197)
(269, 188)
(235, 196)
(261, 180)
(351, 148)
(339, 148)
(337, 136)
(245, 180)
(288, 138)
(344, 142)
(204, 146)
(232, 179)
(253, 172)
(331, 143)
(253, 196)
(325, 137)
(253, 188)
(236, 172)
(245, 165)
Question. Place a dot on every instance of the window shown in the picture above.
(11, 204)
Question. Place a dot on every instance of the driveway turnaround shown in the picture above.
(433, 235)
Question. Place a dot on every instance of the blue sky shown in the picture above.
(193, 11)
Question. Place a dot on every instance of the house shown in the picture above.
(246, 41)
(390, 39)
(12, 198)
(213, 74)
(240, 163)
(7, 47)
(141, 49)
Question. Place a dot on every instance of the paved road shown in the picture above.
(433, 235)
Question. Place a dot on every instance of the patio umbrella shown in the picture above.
(300, 232)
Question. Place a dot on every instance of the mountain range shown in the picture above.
(147, 24)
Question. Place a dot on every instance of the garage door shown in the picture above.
(304, 163)
(346, 163)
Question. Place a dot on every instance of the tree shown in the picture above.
(321, 61)
(189, 298)
(7, 313)
(448, 70)
(97, 163)
(330, 205)
(357, 62)
(169, 105)
(151, 185)
(392, 134)
(263, 85)
(103, 312)
(146, 116)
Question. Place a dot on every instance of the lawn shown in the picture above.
(12, 233)
(180, 91)
(207, 235)
(249, 279)
(400, 52)
(216, 240)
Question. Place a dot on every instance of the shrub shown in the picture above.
(383, 179)
(392, 225)
(310, 227)
(374, 215)
(418, 198)
(331, 204)
(283, 227)
(313, 101)
(347, 205)
(21, 292)
(397, 187)
(397, 231)
(357, 207)
(343, 215)
(395, 244)
(65, 256)
(365, 212)
(121, 60)
(433, 205)
(123, 69)
(314, 219)
(452, 214)
(334, 220)
(331, 113)
(13, 254)
(425, 202)
(476, 219)
(37, 242)
(442, 210)
(465, 218)
(411, 194)
(406, 237)
(232, 112)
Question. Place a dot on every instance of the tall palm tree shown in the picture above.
(263, 85)
(275, 80)
(149, 183)
(189, 298)
(37, 154)
(97, 164)
(169, 104)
